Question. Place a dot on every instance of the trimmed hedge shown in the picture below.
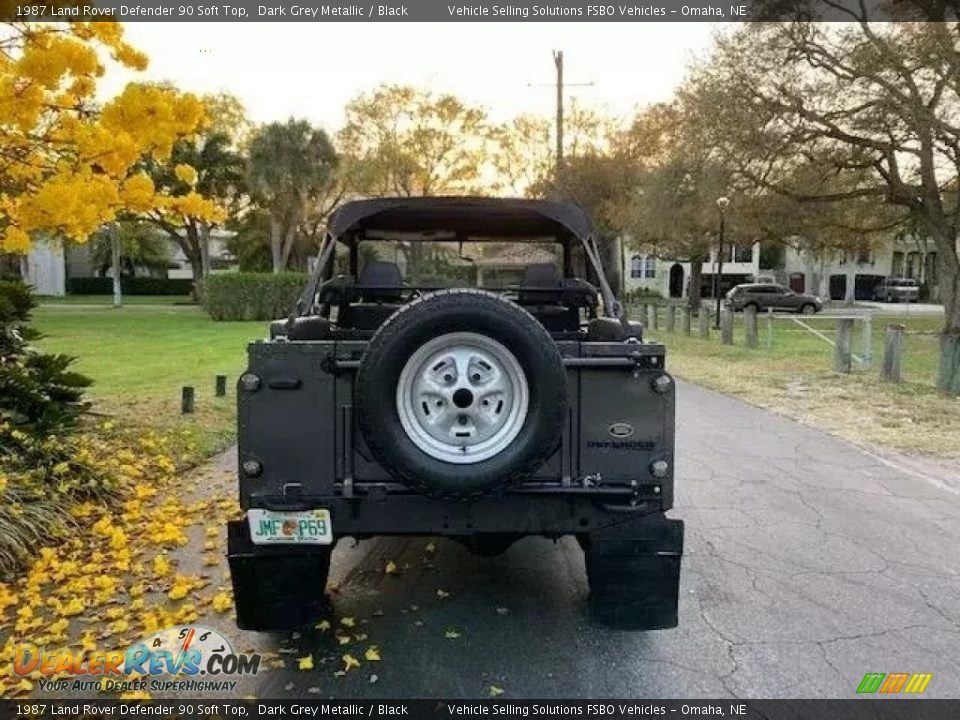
(251, 296)
(129, 286)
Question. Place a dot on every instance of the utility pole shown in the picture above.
(722, 203)
(558, 170)
(560, 86)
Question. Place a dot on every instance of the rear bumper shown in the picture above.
(551, 513)
(633, 567)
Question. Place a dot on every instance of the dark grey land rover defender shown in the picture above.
(389, 403)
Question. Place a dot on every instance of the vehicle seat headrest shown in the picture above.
(541, 275)
(380, 281)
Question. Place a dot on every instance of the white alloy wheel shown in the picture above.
(462, 398)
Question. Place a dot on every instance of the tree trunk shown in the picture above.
(693, 286)
(948, 375)
(115, 253)
(204, 238)
(287, 247)
(275, 243)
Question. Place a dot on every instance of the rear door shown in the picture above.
(756, 294)
(782, 298)
(766, 296)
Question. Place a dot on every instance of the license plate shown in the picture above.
(311, 527)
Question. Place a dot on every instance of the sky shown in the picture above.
(310, 70)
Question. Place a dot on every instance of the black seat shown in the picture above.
(380, 282)
(379, 286)
(542, 294)
(541, 275)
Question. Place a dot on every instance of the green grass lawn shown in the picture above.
(108, 300)
(139, 358)
(794, 376)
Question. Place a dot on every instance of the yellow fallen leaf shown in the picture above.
(23, 686)
(360, 637)
(451, 634)
(338, 673)
(495, 691)
(343, 639)
(222, 602)
(136, 695)
(372, 654)
(391, 568)
(349, 661)
(305, 663)
(323, 625)
(442, 594)
(431, 547)
(74, 607)
(347, 622)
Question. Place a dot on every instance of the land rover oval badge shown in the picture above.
(621, 430)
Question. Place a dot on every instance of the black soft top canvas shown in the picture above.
(469, 216)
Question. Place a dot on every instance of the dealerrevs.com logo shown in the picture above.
(181, 658)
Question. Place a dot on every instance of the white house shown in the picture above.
(834, 274)
(827, 274)
(48, 264)
(671, 278)
(44, 268)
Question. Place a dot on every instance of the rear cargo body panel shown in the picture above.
(299, 425)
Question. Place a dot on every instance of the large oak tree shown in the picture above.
(876, 104)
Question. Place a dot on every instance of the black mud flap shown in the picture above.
(633, 569)
(276, 588)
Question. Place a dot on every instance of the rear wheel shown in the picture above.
(808, 309)
(755, 306)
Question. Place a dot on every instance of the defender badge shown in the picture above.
(621, 430)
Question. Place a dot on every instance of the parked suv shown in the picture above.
(394, 402)
(897, 290)
(761, 296)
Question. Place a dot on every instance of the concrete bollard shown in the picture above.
(652, 316)
(843, 355)
(703, 323)
(187, 400)
(671, 318)
(685, 320)
(750, 327)
(769, 328)
(892, 353)
(726, 327)
(221, 387)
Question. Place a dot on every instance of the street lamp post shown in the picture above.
(722, 203)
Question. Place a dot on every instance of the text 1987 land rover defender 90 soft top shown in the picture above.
(390, 403)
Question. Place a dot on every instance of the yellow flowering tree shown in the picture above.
(68, 164)
(203, 181)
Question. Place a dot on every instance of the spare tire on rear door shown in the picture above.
(461, 392)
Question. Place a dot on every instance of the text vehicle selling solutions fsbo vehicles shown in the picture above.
(468, 374)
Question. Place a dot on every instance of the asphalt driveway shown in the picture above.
(809, 562)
